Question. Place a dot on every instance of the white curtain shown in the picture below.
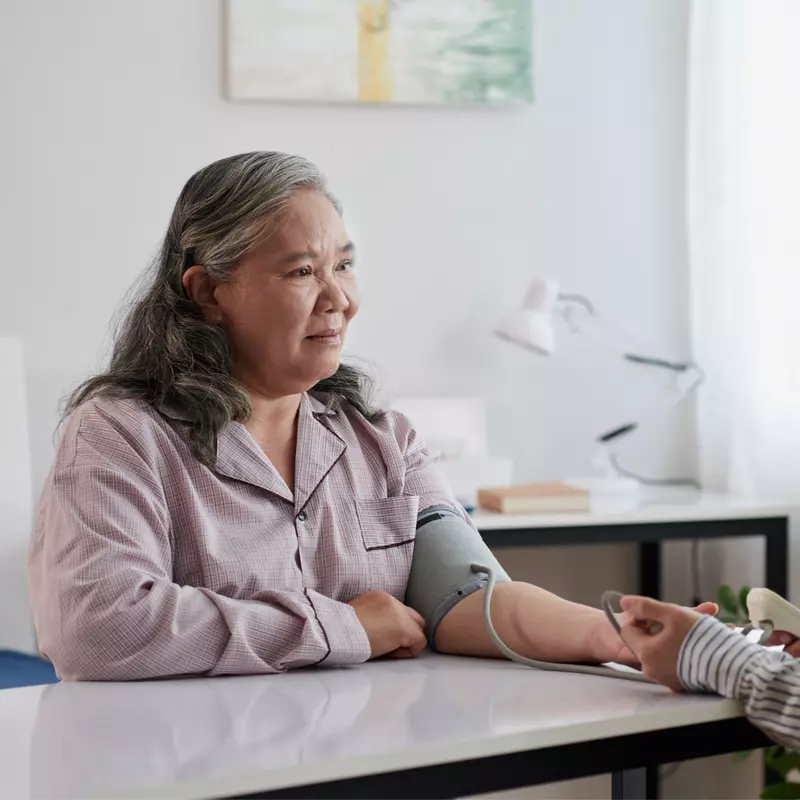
(744, 237)
(744, 249)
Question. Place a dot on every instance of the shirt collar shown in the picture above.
(173, 412)
(318, 407)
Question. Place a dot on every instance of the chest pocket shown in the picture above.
(388, 522)
(388, 527)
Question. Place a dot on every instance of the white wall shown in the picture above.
(109, 107)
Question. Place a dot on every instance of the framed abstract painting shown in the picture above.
(408, 52)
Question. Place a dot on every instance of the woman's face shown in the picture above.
(287, 306)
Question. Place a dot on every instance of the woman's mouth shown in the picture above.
(329, 337)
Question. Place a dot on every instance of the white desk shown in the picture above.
(437, 726)
(649, 507)
(656, 516)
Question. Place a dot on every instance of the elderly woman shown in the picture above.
(224, 498)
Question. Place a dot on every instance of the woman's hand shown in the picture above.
(393, 629)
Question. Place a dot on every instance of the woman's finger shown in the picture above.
(416, 616)
(710, 609)
(401, 652)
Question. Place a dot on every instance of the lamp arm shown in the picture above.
(678, 366)
(580, 300)
(616, 435)
(621, 431)
(571, 307)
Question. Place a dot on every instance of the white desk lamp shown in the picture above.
(531, 327)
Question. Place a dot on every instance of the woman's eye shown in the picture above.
(346, 266)
(303, 272)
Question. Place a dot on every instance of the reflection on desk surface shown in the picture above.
(93, 739)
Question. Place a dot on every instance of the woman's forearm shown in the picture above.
(533, 622)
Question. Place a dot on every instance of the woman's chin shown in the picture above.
(326, 368)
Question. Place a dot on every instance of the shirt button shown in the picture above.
(301, 517)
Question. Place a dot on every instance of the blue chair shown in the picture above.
(21, 669)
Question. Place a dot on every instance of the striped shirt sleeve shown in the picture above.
(714, 658)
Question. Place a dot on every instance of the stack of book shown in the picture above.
(534, 498)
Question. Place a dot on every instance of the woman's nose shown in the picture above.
(334, 297)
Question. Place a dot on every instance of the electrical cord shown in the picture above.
(581, 669)
(699, 377)
(690, 482)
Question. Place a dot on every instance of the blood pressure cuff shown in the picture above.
(441, 576)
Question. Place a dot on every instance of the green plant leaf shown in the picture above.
(781, 791)
(727, 619)
(784, 762)
(772, 754)
(741, 756)
(727, 600)
(743, 592)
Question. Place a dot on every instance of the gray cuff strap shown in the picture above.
(441, 576)
(449, 602)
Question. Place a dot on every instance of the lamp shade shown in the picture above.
(531, 326)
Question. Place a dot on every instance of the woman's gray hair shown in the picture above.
(165, 353)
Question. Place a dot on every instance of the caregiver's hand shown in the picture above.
(658, 651)
(621, 652)
(791, 644)
(392, 629)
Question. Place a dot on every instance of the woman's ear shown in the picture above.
(200, 287)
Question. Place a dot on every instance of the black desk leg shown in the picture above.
(777, 579)
(630, 784)
(650, 569)
(649, 586)
(777, 557)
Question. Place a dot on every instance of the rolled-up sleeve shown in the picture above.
(106, 606)
(714, 658)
